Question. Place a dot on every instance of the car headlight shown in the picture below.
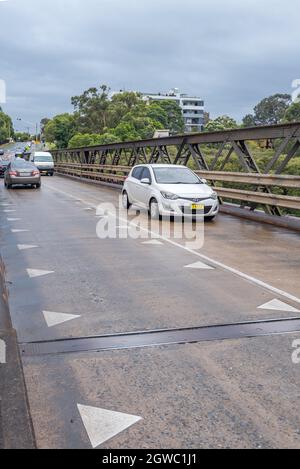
(214, 195)
(169, 195)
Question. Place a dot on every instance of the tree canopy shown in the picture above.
(100, 117)
(221, 123)
(292, 114)
(6, 127)
(269, 111)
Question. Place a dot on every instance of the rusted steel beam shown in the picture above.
(286, 181)
(241, 134)
(260, 198)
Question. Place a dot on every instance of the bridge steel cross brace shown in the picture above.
(110, 160)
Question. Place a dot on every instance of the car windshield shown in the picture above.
(43, 159)
(175, 176)
(22, 164)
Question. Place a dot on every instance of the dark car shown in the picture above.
(1, 152)
(21, 172)
(3, 167)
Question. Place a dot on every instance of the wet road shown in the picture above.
(66, 282)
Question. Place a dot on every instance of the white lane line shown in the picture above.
(102, 425)
(19, 231)
(53, 319)
(247, 277)
(38, 273)
(199, 265)
(2, 352)
(14, 219)
(23, 247)
(278, 305)
(153, 242)
(9, 211)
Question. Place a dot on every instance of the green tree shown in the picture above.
(44, 122)
(221, 123)
(292, 114)
(86, 140)
(6, 127)
(60, 130)
(22, 137)
(168, 114)
(249, 121)
(91, 110)
(270, 110)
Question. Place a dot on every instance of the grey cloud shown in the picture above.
(231, 53)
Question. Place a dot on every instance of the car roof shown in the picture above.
(19, 160)
(161, 165)
(42, 153)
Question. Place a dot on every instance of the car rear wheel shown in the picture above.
(154, 210)
(125, 201)
(38, 186)
(211, 218)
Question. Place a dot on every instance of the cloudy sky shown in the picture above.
(232, 53)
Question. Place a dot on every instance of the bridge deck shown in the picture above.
(223, 393)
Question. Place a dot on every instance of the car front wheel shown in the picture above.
(125, 201)
(154, 210)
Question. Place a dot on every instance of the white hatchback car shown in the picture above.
(170, 190)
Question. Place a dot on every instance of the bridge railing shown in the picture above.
(253, 184)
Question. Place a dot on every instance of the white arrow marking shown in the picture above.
(2, 351)
(278, 305)
(38, 273)
(19, 231)
(199, 265)
(102, 425)
(22, 247)
(153, 242)
(53, 319)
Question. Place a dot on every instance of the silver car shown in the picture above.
(170, 190)
(21, 172)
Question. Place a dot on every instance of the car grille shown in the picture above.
(191, 199)
(189, 211)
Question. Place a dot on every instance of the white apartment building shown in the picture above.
(191, 106)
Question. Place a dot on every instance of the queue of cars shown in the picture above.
(25, 169)
(162, 189)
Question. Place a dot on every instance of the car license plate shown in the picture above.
(25, 175)
(197, 207)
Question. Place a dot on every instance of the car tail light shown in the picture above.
(13, 173)
(35, 173)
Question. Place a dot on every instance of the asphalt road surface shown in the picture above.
(66, 282)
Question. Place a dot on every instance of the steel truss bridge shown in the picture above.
(269, 188)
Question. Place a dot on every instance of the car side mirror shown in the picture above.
(146, 181)
(204, 181)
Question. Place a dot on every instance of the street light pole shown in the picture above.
(34, 125)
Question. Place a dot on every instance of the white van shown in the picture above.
(43, 160)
